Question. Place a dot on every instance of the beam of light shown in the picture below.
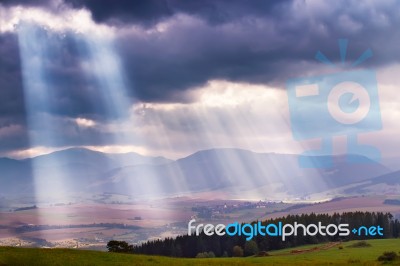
(38, 91)
(177, 183)
(104, 66)
(238, 116)
(113, 88)
(51, 182)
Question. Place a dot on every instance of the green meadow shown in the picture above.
(322, 254)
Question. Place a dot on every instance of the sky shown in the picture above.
(169, 77)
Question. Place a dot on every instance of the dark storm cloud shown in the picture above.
(263, 42)
(254, 48)
(13, 132)
(11, 93)
(149, 12)
(170, 47)
(146, 12)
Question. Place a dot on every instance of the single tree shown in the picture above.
(237, 251)
(119, 246)
(250, 248)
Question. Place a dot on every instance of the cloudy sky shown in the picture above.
(169, 77)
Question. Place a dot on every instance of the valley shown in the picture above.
(135, 198)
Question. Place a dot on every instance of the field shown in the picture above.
(325, 254)
(79, 224)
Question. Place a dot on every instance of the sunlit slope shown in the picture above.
(311, 255)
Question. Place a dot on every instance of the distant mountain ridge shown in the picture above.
(388, 184)
(83, 154)
(228, 170)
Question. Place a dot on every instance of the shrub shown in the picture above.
(205, 255)
(250, 248)
(201, 255)
(262, 254)
(237, 251)
(211, 254)
(360, 244)
(388, 256)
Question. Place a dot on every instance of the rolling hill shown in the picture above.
(321, 254)
(384, 184)
(234, 171)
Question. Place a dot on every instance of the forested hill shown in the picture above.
(219, 246)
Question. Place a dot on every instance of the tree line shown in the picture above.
(228, 246)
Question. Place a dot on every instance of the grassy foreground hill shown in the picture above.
(322, 254)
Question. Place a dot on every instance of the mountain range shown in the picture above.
(234, 172)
